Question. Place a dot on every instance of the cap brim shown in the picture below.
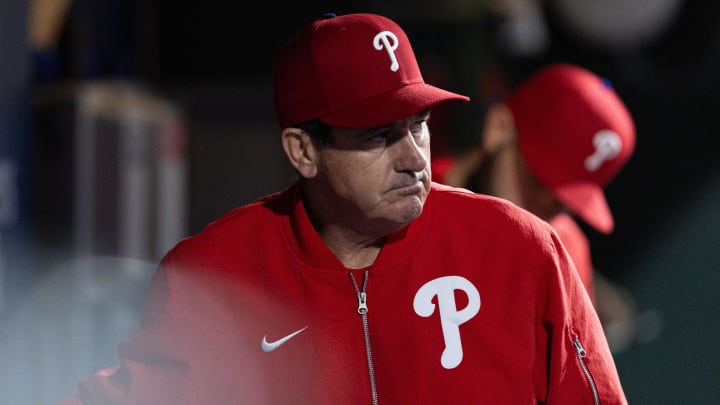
(390, 106)
(587, 201)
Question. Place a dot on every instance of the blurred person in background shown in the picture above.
(362, 282)
(552, 147)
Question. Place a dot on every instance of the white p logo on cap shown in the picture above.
(389, 41)
(607, 146)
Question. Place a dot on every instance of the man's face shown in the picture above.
(377, 176)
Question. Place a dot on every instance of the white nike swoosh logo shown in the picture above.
(270, 346)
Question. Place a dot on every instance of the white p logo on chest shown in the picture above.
(607, 146)
(388, 41)
(450, 317)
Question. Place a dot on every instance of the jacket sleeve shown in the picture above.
(155, 364)
(581, 369)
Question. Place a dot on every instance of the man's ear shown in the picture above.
(300, 151)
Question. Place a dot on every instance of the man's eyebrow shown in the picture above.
(382, 128)
(375, 130)
(424, 114)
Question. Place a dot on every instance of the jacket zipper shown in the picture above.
(581, 357)
(362, 310)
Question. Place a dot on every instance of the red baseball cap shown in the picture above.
(575, 134)
(351, 71)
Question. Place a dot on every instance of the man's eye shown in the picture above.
(418, 126)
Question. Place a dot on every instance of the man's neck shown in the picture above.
(354, 241)
(353, 250)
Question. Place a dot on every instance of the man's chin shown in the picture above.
(413, 208)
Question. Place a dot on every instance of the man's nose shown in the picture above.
(412, 154)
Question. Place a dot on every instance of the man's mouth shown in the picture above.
(416, 187)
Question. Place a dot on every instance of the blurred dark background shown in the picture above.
(126, 125)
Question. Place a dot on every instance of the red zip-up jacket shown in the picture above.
(475, 302)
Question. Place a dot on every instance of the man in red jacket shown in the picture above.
(364, 282)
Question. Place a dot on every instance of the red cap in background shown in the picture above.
(575, 134)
